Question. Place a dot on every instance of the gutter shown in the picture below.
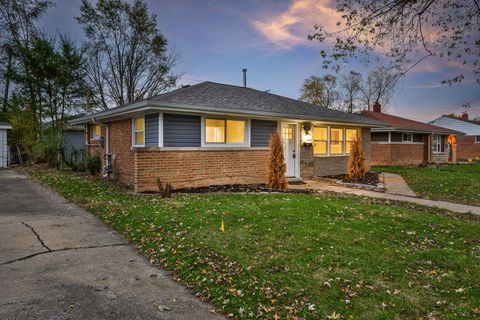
(390, 129)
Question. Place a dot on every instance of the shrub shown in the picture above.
(356, 163)
(276, 164)
(75, 159)
(48, 148)
(94, 164)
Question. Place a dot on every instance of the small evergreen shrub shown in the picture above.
(94, 164)
(357, 169)
(276, 164)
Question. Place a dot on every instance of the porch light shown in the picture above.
(307, 136)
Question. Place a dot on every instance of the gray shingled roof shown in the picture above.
(219, 97)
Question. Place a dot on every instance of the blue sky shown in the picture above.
(216, 39)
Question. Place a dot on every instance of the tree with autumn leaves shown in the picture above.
(276, 164)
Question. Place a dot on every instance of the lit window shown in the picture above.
(235, 131)
(96, 131)
(287, 133)
(350, 135)
(320, 140)
(407, 137)
(139, 131)
(215, 131)
(224, 131)
(336, 141)
(437, 144)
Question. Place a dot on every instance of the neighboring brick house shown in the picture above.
(213, 134)
(407, 142)
(468, 144)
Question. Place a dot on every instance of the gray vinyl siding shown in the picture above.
(181, 130)
(261, 131)
(73, 140)
(151, 130)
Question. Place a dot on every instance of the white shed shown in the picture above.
(4, 152)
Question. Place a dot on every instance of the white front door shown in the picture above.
(288, 136)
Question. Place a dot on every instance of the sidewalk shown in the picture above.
(322, 186)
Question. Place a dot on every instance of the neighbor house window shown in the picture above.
(350, 135)
(320, 140)
(139, 131)
(407, 137)
(96, 131)
(224, 131)
(477, 139)
(336, 140)
(437, 144)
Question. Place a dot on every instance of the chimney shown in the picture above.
(244, 77)
(377, 107)
(464, 116)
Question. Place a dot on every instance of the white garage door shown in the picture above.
(3, 149)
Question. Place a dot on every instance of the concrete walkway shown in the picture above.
(395, 184)
(322, 186)
(57, 261)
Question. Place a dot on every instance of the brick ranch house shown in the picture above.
(407, 142)
(214, 134)
(468, 145)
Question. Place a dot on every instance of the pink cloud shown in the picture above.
(291, 27)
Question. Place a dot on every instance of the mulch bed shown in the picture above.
(238, 188)
(226, 188)
(371, 178)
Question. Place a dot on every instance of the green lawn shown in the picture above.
(296, 255)
(455, 183)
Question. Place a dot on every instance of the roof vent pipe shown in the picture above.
(244, 77)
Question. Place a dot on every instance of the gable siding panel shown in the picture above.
(261, 131)
(151, 130)
(181, 130)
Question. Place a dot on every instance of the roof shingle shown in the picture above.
(405, 124)
(219, 97)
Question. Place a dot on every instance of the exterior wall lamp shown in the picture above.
(307, 136)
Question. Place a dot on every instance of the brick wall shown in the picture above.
(325, 166)
(467, 148)
(331, 166)
(396, 154)
(306, 162)
(440, 157)
(121, 147)
(94, 146)
(185, 168)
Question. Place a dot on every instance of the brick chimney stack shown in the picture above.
(377, 107)
(464, 116)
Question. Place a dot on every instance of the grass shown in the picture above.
(290, 256)
(455, 183)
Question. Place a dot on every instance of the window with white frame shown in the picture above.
(224, 131)
(95, 131)
(320, 140)
(139, 131)
(477, 139)
(350, 135)
(437, 144)
(407, 137)
(336, 141)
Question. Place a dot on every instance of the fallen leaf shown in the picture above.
(163, 308)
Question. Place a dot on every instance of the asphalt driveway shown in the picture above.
(57, 261)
